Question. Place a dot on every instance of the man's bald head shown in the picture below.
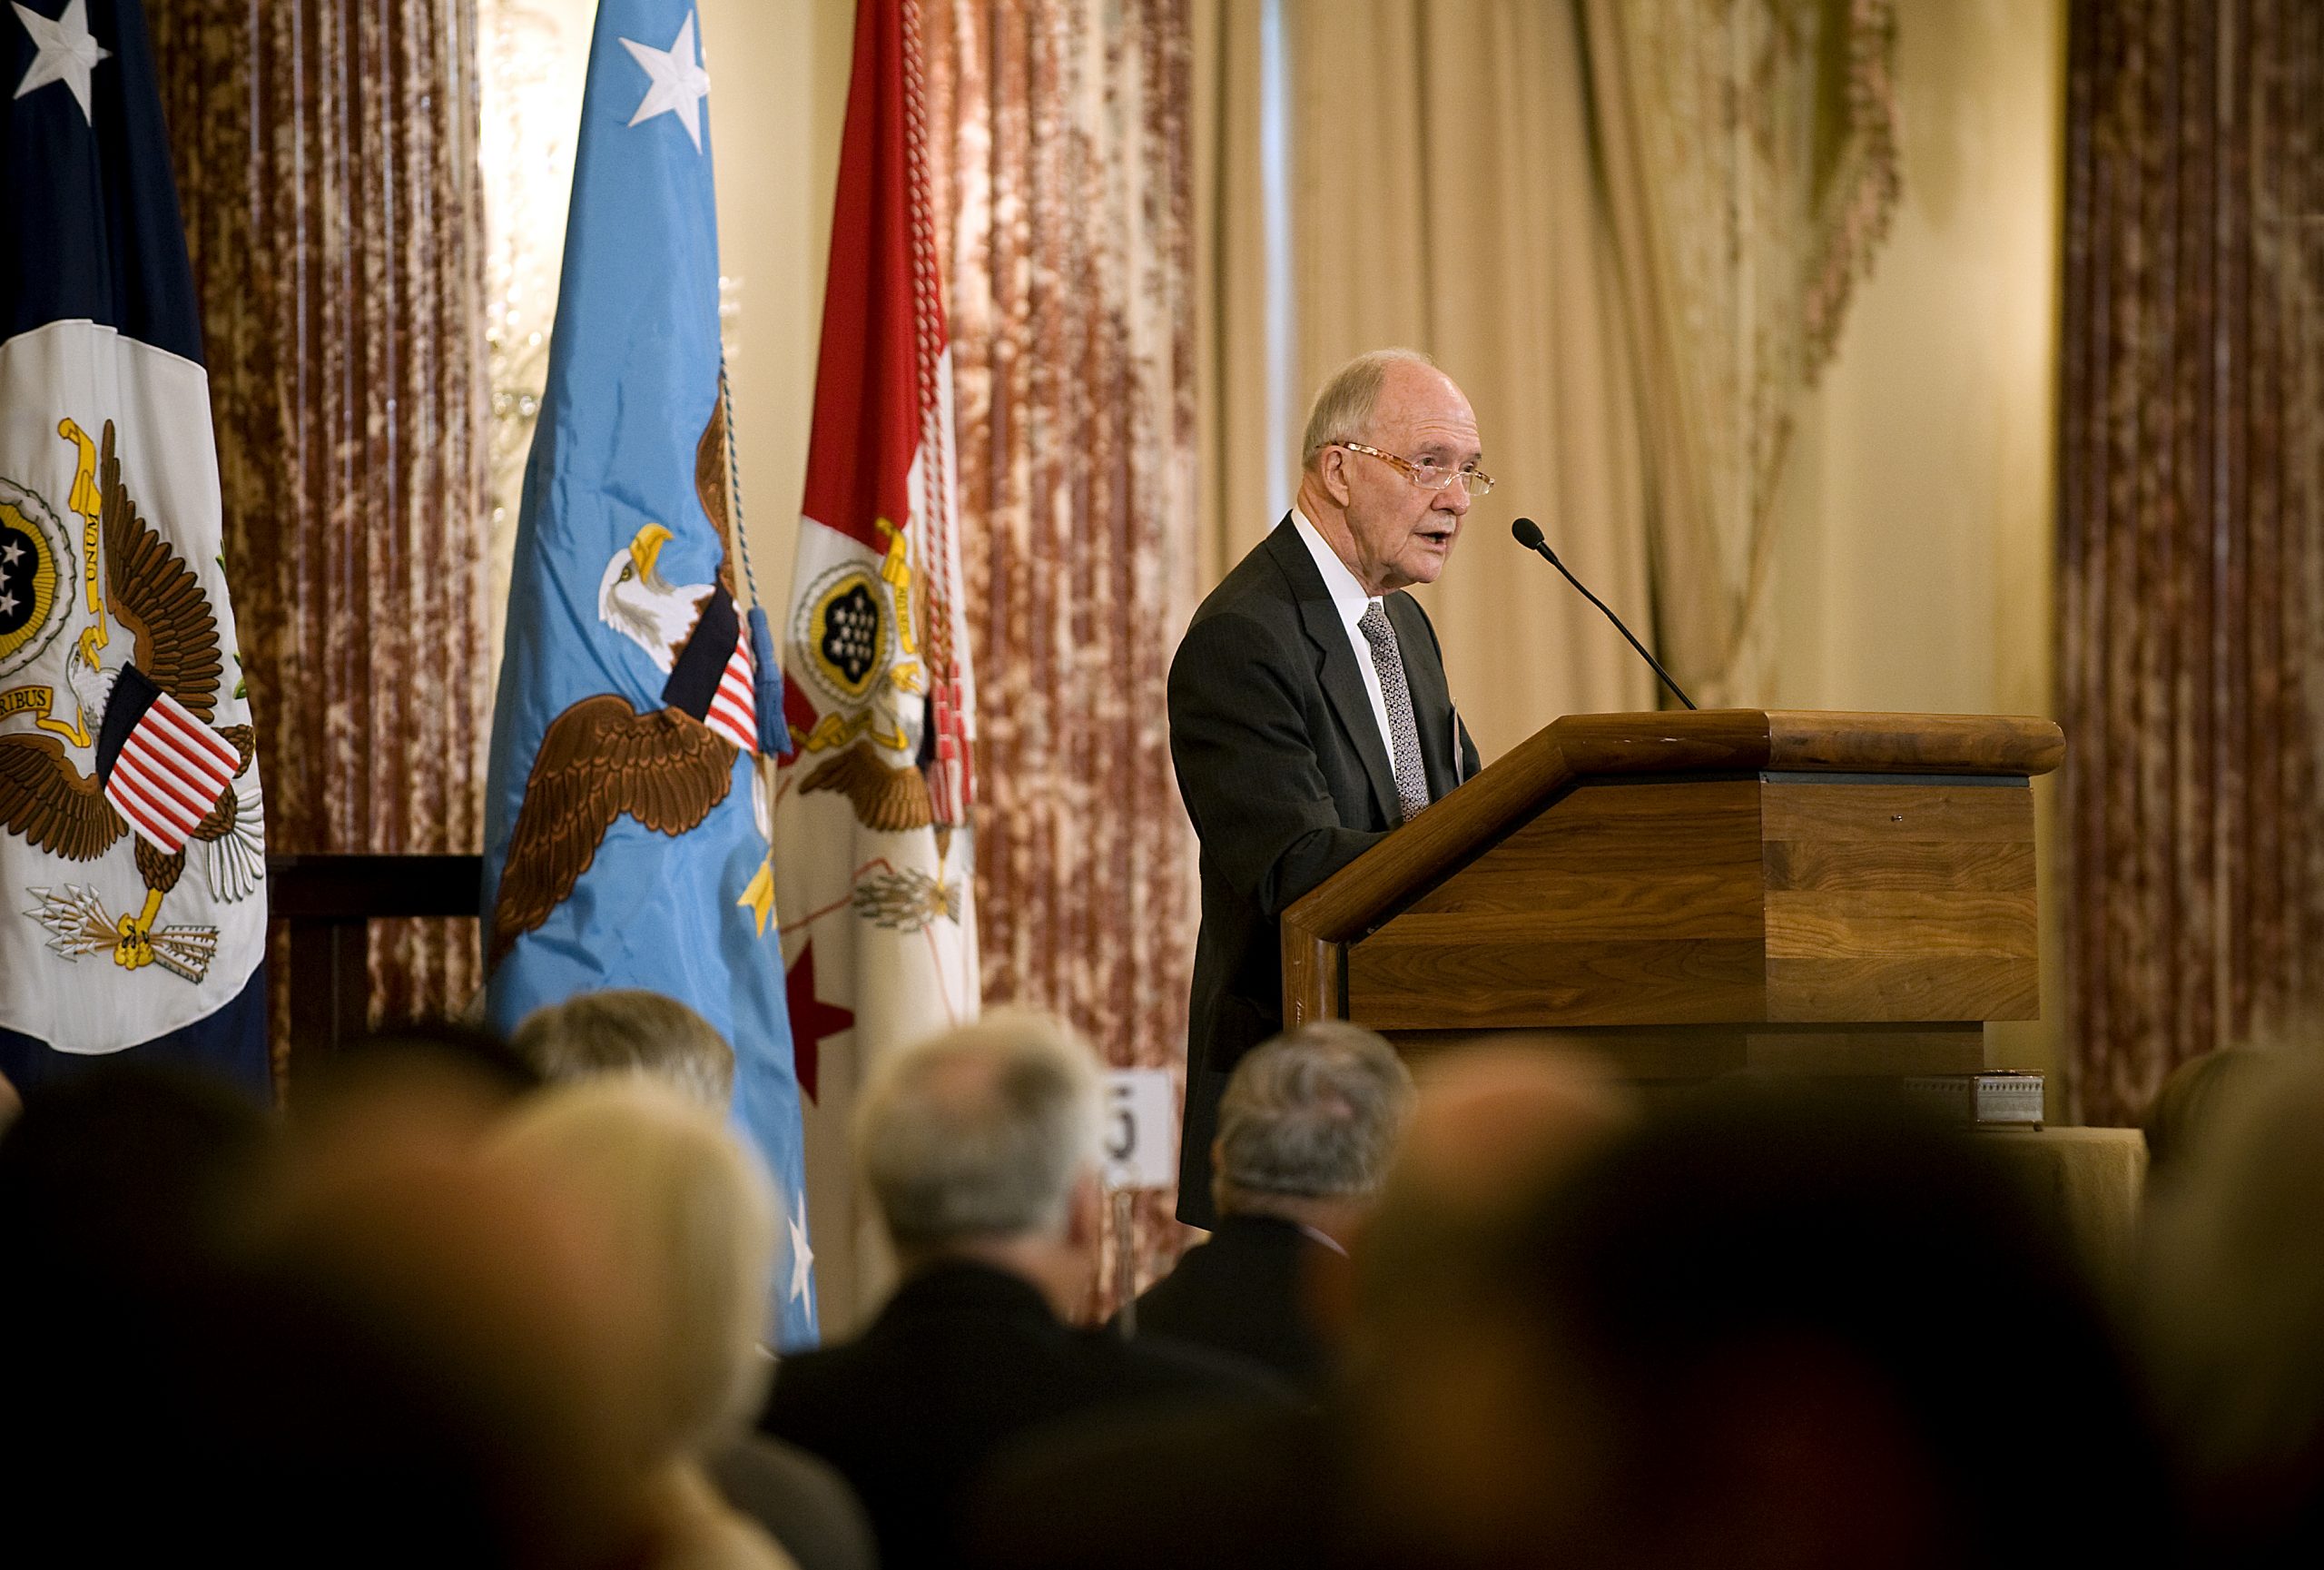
(1491, 1129)
(1344, 405)
(1492, 1121)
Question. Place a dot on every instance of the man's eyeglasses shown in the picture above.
(1427, 473)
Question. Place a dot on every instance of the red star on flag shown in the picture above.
(812, 1019)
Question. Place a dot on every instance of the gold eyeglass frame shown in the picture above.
(1474, 482)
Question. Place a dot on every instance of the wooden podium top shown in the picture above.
(1703, 749)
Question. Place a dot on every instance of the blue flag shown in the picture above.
(132, 851)
(625, 835)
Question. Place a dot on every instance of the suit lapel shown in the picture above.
(1342, 683)
(1432, 700)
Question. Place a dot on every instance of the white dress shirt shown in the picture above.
(1349, 599)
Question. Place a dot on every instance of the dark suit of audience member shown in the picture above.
(982, 1151)
(1244, 1293)
(1725, 1335)
(1291, 686)
(963, 1363)
(1306, 1125)
(1240, 1488)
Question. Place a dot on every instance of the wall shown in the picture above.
(778, 76)
(1913, 569)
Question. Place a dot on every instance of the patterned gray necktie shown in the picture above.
(1403, 736)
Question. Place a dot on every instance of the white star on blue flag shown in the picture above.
(67, 53)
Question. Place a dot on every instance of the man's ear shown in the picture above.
(1331, 468)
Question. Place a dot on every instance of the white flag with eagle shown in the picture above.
(874, 858)
(132, 840)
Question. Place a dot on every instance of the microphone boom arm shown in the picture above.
(1529, 535)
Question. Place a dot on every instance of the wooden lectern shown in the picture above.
(1692, 893)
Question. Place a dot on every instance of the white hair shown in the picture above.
(1343, 409)
(691, 1219)
(982, 1132)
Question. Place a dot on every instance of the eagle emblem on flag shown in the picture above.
(156, 768)
(603, 757)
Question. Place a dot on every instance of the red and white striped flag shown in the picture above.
(730, 713)
(167, 776)
(873, 854)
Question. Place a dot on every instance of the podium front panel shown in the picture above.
(1767, 898)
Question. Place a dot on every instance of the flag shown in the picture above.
(626, 841)
(133, 847)
(876, 869)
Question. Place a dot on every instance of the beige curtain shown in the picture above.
(325, 160)
(1232, 319)
(1747, 156)
(1441, 197)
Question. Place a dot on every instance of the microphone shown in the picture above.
(1529, 535)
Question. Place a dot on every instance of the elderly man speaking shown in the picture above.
(1308, 709)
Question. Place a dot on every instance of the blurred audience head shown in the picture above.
(1431, 1323)
(628, 1031)
(984, 1143)
(1763, 1317)
(136, 1170)
(2233, 1306)
(684, 1214)
(130, 1200)
(2191, 1097)
(436, 1085)
(1306, 1125)
(443, 1367)
(1489, 1128)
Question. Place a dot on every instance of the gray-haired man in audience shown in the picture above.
(623, 1031)
(981, 1148)
(1306, 1128)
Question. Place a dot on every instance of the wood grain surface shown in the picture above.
(1900, 902)
(1622, 903)
(1418, 978)
(1897, 813)
(1935, 744)
(1517, 787)
(1903, 986)
(1637, 871)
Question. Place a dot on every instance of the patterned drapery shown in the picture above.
(326, 164)
(2190, 547)
(1749, 165)
(1060, 142)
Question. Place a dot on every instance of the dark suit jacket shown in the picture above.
(1244, 1293)
(1287, 779)
(1242, 1489)
(963, 1362)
